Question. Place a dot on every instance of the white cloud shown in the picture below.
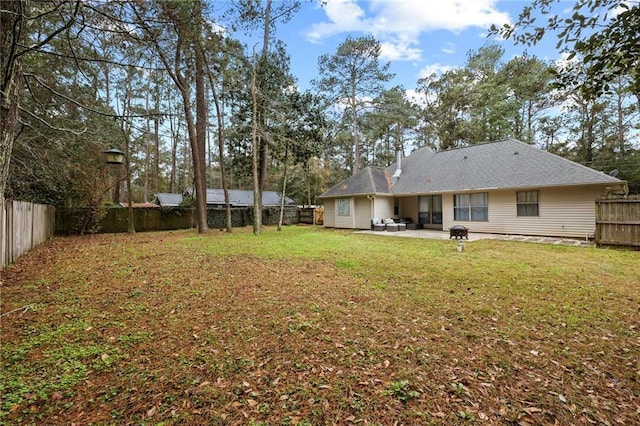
(437, 69)
(393, 51)
(400, 23)
(343, 15)
(448, 48)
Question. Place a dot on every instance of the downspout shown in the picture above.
(372, 199)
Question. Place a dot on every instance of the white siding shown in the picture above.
(355, 217)
(564, 212)
(383, 207)
(329, 213)
(344, 221)
(362, 212)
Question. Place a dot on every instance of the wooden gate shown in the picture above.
(319, 215)
(618, 221)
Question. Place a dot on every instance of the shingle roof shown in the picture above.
(165, 199)
(368, 181)
(503, 164)
(239, 197)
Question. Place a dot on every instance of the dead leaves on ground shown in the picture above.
(238, 339)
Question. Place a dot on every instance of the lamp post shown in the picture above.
(114, 156)
(117, 157)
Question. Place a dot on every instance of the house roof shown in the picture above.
(369, 181)
(237, 198)
(139, 205)
(166, 199)
(495, 165)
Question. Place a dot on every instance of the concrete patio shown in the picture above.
(475, 236)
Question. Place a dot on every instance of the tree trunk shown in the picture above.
(620, 122)
(201, 134)
(131, 228)
(147, 134)
(357, 162)
(257, 211)
(12, 24)
(174, 150)
(220, 116)
(263, 143)
(156, 166)
(126, 129)
(284, 188)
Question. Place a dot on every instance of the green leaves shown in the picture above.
(401, 390)
(595, 32)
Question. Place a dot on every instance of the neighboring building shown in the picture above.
(165, 199)
(504, 187)
(139, 205)
(215, 198)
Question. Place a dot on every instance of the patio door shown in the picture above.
(430, 211)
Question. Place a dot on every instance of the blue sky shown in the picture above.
(418, 36)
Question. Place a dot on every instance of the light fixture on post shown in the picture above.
(114, 156)
(119, 158)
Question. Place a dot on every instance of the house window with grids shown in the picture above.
(528, 204)
(473, 207)
(344, 207)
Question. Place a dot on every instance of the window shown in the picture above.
(344, 207)
(472, 207)
(527, 203)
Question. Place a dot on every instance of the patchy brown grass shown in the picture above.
(312, 326)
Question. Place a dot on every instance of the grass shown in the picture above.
(315, 326)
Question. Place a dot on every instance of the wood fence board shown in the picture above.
(618, 222)
(156, 219)
(24, 226)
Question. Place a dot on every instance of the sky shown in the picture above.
(418, 37)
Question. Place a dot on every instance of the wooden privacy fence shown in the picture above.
(23, 226)
(618, 221)
(86, 220)
(72, 220)
(311, 215)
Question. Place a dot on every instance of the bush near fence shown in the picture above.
(73, 220)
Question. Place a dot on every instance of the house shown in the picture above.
(165, 199)
(215, 198)
(139, 205)
(504, 187)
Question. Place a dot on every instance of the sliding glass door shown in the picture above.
(430, 211)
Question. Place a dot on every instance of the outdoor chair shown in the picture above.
(377, 225)
(391, 225)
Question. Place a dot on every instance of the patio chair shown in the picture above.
(377, 225)
(391, 225)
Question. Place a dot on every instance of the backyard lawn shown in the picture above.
(310, 326)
